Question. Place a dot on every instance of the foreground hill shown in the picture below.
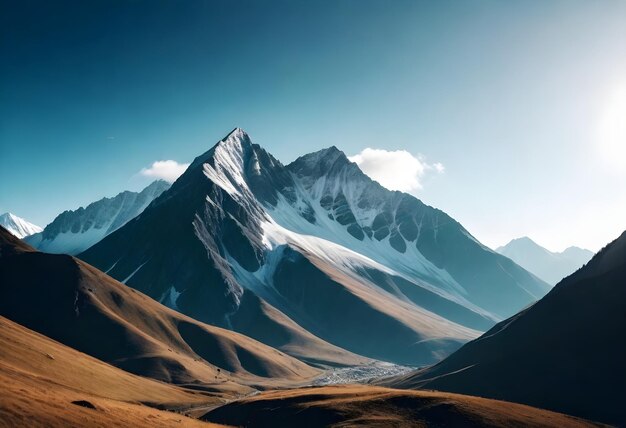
(74, 231)
(350, 405)
(313, 249)
(566, 352)
(79, 306)
(47, 384)
(547, 265)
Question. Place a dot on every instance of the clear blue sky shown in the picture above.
(523, 103)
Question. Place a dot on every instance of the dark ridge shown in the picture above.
(12, 245)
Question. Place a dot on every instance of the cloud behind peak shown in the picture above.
(168, 170)
(395, 169)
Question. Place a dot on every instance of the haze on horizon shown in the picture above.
(509, 117)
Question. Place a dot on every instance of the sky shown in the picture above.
(509, 116)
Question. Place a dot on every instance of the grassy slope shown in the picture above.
(40, 378)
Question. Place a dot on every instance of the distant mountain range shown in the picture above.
(549, 266)
(313, 256)
(74, 231)
(18, 226)
(565, 353)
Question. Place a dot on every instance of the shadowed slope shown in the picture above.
(565, 353)
(373, 321)
(256, 318)
(342, 406)
(11, 245)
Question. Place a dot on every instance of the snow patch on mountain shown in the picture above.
(68, 242)
(411, 263)
(226, 168)
(134, 272)
(169, 298)
(353, 259)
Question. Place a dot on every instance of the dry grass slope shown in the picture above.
(41, 378)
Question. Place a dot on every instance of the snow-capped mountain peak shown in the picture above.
(229, 161)
(236, 141)
(74, 231)
(327, 161)
(241, 234)
(18, 226)
(242, 169)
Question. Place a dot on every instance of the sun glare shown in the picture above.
(612, 129)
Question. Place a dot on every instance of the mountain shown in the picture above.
(359, 405)
(549, 266)
(45, 383)
(564, 353)
(18, 226)
(73, 303)
(74, 231)
(311, 254)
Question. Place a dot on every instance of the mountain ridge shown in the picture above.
(547, 265)
(74, 231)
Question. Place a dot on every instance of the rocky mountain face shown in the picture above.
(547, 265)
(565, 353)
(18, 226)
(74, 231)
(314, 253)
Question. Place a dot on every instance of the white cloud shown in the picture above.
(168, 170)
(395, 170)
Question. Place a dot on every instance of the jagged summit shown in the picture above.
(321, 161)
(330, 154)
(240, 168)
(331, 164)
(236, 140)
(237, 133)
